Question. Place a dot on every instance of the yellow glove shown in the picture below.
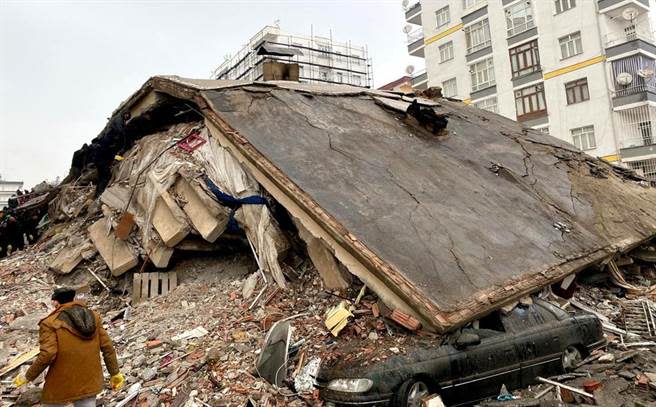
(20, 380)
(117, 381)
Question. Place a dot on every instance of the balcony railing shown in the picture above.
(419, 77)
(636, 126)
(415, 35)
(630, 34)
(412, 10)
(632, 90)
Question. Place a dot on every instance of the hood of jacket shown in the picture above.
(80, 318)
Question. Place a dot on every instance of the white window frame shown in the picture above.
(489, 104)
(443, 16)
(522, 10)
(584, 138)
(477, 36)
(448, 90)
(482, 74)
(564, 5)
(446, 51)
(357, 80)
(467, 4)
(339, 77)
(570, 45)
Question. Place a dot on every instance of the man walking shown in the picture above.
(71, 339)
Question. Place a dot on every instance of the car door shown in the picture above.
(485, 367)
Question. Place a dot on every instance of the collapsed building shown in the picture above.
(445, 212)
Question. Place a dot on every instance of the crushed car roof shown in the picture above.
(450, 222)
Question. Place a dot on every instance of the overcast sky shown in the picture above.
(65, 66)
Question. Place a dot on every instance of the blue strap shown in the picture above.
(233, 203)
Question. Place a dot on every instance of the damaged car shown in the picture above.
(471, 364)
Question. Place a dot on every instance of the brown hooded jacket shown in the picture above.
(71, 339)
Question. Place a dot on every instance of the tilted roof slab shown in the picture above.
(457, 224)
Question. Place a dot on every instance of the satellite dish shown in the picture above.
(630, 13)
(624, 78)
(407, 28)
(645, 73)
(409, 69)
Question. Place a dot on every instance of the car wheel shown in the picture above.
(571, 358)
(410, 394)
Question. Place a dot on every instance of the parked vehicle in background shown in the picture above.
(471, 364)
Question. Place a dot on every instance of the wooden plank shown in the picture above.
(154, 285)
(564, 386)
(164, 277)
(173, 280)
(144, 285)
(204, 221)
(116, 253)
(136, 287)
(19, 360)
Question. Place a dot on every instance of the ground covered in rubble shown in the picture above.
(215, 364)
(216, 368)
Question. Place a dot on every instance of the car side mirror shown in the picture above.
(467, 339)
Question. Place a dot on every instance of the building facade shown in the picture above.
(7, 190)
(581, 70)
(320, 59)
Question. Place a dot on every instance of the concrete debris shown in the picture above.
(197, 332)
(291, 226)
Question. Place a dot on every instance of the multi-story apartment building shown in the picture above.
(581, 70)
(320, 59)
(7, 190)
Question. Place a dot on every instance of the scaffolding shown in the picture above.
(321, 60)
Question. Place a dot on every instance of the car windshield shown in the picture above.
(523, 317)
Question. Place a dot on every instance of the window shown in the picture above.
(449, 88)
(519, 18)
(482, 74)
(472, 3)
(571, 45)
(339, 77)
(446, 52)
(443, 17)
(584, 138)
(357, 81)
(477, 36)
(525, 59)
(577, 91)
(489, 104)
(646, 133)
(564, 5)
(300, 70)
(543, 130)
(529, 102)
(339, 57)
(323, 75)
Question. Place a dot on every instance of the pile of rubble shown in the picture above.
(197, 229)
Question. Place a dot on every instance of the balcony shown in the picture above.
(416, 43)
(413, 14)
(637, 34)
(636, 129)
(615, 8)
(420, 80)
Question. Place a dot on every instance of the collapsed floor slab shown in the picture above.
(445, 223)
